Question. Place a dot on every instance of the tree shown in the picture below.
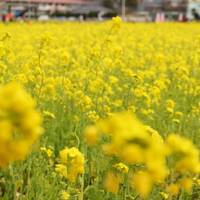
(132, 2)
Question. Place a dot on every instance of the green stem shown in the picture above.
(82, 188)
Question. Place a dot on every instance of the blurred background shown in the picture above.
(130, 10)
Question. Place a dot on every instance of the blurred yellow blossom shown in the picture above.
(20, 123)
(91, 135)
(112, 182)
(117, 21)
(142, 182)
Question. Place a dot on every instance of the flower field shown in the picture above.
(99, 111)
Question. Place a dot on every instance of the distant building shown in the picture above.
(57, 8)
(172, 8)
(163, 5)
(193, 5)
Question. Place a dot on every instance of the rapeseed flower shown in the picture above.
(112, 182)
(19, 121)
(71, 163)
(121, 167)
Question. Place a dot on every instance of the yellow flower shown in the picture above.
(164, 195)
(91, 135)
(63, 154)
(155, 136)
(117, 21)
(73, 160)
(48, 151)
(188, 164)
(186, 184)
(121, 167)
(189, 154)
(173, 189)
(126, 131)
(142, 182)
(73, 152)
(64, 195)
(92, 115)
(129, 150)
(20, 123)
(176, 144)
(170, 105)
(62, 170)
(112, 182)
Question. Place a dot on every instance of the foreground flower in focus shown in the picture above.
(20, 123)
(121, 167)
(71, 163)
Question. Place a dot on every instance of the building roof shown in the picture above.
(49, 1)
(166, 5)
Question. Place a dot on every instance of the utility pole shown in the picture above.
(29, 9)
(124, 10)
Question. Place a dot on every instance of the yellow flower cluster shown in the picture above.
(80, 79)
(48, 151)
(187, 154)
(135, 143)
(71, 163)
(121, 167)
(117, 21)
(20, 123)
